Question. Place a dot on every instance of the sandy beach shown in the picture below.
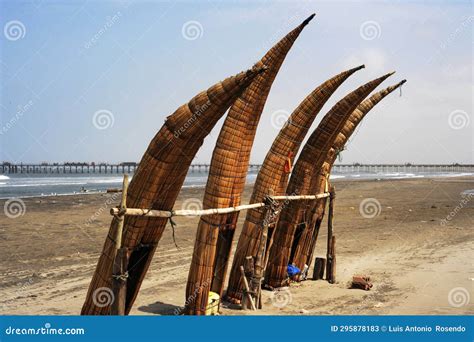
(420, 262)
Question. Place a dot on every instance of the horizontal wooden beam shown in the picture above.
(203, 212)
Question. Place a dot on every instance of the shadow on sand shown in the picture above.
(160, 308)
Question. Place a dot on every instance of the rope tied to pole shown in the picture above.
(173, 226)
(273, 206)
(339, 153)
(121, 277)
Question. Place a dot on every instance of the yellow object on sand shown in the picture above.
(212, 304)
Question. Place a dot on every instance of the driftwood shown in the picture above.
(275, 171)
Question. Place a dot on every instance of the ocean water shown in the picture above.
(34, 185)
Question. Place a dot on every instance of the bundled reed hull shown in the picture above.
(227, 174)
(274, 172)
(157, 182)
(302, 252)
(312, 157)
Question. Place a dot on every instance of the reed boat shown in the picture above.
(304, 241)
(303, 180)
(157, 182)
(226, 181)
(275, 170)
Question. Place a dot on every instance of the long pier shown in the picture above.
(130, 167)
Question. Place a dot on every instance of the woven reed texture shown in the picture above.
(158, 180)
(273, 175)
(302, 252)
(311, 158)
(227, 174)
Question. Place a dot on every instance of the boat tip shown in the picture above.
(307, 20)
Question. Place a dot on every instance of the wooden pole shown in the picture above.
(119, 268)
(331, 243)
(319, 266)
(332, 270)
(247, 290)
(119, 282)
(249, 269)
(214, 211)
(121, 213)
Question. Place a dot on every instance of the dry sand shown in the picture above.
(417, 264)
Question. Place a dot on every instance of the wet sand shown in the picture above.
(419, 263)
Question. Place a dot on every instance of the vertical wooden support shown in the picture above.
(249, 269)
(119, 269)
(247, 299)
(258, 265)
(331, 243)
(332, 270)
(319, 266)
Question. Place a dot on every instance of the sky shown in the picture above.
(95, 80)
